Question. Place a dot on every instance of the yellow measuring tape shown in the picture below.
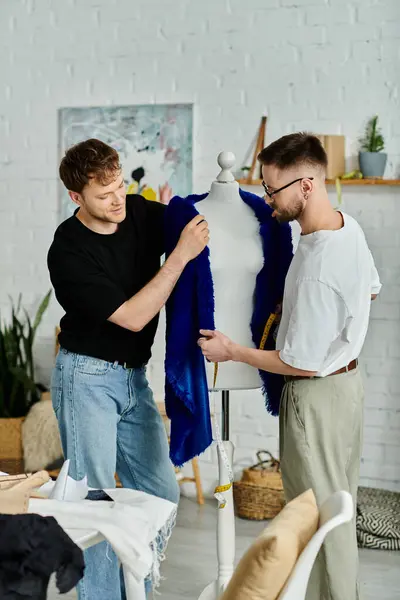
(224, 488)
(215, 374)
(267, 329)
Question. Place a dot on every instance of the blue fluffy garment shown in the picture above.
(191, 308)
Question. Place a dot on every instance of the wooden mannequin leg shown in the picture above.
(197, 479)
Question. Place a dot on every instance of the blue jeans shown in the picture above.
(109, 423)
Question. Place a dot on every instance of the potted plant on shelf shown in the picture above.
(18, 386)
(372, 159)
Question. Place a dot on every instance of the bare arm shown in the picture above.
(139, 310)
(266, 360)
(217, 347)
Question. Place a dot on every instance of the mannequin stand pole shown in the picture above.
(225, 516)
(225, 415)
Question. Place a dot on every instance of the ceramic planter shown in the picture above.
(372, 164)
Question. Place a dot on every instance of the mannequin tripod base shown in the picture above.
(225, 516)
(211, 592)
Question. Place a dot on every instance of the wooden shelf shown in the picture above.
(364, 181)
(342, 181)
(245, 182)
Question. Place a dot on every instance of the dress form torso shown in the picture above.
(236, 257)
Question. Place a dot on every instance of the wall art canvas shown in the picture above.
(154, 142)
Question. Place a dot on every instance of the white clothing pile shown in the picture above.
(131, 524)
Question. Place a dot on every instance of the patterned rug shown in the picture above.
(378, 519)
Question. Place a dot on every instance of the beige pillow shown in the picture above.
(15, 491)
(40, 437)
(266, 566)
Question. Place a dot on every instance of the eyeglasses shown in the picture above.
(270, 194)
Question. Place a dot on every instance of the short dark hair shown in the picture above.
(293, 150)
(91, 159)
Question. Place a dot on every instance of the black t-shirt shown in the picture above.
(94, 274)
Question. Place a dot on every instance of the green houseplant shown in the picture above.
(372, 159)
(18, 386)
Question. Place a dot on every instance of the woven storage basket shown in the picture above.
(11, 456)
(259, 494)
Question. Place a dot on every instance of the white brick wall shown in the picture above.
(323, 65)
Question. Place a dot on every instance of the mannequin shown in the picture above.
(233, 285)
(236, 258)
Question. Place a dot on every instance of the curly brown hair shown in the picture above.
(91, 159)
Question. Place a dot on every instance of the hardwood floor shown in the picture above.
(191, 558)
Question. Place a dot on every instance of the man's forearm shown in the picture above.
(266, 360)
(139, 310)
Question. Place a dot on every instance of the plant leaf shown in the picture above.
(41, 310)
(18, 389)
(338, 192)
(373, 140)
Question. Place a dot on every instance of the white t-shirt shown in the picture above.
(327, 300)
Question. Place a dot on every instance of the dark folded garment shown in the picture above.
(98, 495)
(32, 548)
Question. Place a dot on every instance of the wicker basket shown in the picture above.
(259, 495)
(11, 456)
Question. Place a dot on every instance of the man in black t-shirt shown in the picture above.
(104, 264)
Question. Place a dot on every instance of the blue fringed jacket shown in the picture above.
(191, 308)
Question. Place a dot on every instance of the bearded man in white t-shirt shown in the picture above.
(324, 322)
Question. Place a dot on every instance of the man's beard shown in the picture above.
(291, 213)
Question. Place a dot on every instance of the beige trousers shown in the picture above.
(321, 424)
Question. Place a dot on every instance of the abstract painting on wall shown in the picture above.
(154, 142)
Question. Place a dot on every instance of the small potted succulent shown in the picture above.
(372, 159)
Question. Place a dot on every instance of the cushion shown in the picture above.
(24, 481)
(15, 491)
(13, 502)
(264, 569)
(40, 437)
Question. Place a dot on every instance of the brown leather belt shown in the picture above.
(350, 367)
